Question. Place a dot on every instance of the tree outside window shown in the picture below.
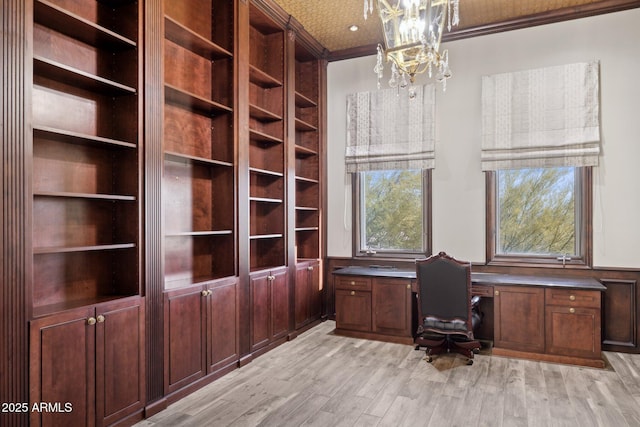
(392, 210)
(540, 215)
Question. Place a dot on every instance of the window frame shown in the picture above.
(359, 252)
(585, 213)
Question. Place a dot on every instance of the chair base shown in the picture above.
(446, 344)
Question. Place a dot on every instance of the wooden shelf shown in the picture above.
(77, 137)
(200, 233)
(59, 250)
(307, 208)
(303, 126)
(266, 172)
(304, 101)
(188, 159)
(48, 309)
(256, 135)
(307, 180)
(266, 236)
(263, 79)
(63, 73)
(194, 102)
(263, 115)
(63, 194)
(299, 229)
(265, 200)
(302, 151)
(188, 39)
(65, 22)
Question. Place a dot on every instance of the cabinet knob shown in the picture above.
(409, 286)
(572, 310)
(497, 292)
(353, 283)
(310, 268)
(204, 293)
(91, 321)
(572, 297)
(100, 318)
(353, 292)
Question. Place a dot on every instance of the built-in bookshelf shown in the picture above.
(198, 188)
(267, 143)
(307, 155)
(85, 109)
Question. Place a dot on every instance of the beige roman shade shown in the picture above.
(545, 117)
(386, 129)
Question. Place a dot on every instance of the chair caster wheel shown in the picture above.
(429, 359)
(469, 362)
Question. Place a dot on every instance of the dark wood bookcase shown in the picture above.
(199, 190)
(267, 124)
(85, 107)
(86, 181)
(307, 155)
(198, 186)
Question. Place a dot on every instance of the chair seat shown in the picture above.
(452, 326)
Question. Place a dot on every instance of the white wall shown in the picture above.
(458, 183)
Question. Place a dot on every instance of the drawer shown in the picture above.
(354, 283)
(482, 291)
(572, 297)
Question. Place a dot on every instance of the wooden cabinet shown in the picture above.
(91, 359)
(269, 307)
(374, 307)
(391, 303)
(201, 331)
(548, 323)
(519, 318)
(573, 322)
(308, 293)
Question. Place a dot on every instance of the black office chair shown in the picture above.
(445, 307)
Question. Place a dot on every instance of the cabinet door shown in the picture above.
(260, 310)
(519, 318)
(279, 304)
(315, 291)
(302, 297)
(308, 295)
(353, 310)
(392, 307)
(184, 337)
(222, 321)
(573, 331)
(62, 368)
(120, 363)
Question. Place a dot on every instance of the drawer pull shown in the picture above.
(353, 283)
(353, 292)
(409, 286)
(572, 297)
(572, 310)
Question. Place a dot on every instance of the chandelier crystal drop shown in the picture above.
(412, 33)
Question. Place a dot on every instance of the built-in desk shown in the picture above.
(543, 318)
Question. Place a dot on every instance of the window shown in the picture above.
(539, 215)
(393, 213)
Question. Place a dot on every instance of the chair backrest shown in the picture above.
(444, 288)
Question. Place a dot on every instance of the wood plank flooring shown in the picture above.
(321, 379)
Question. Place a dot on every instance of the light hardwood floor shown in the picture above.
(321, 379)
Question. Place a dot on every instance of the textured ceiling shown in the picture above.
(328, 21)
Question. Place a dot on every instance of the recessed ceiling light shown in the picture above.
(354, 28)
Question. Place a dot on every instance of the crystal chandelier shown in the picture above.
(412, 33)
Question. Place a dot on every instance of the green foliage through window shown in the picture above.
(536, 211)
(392, 210)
